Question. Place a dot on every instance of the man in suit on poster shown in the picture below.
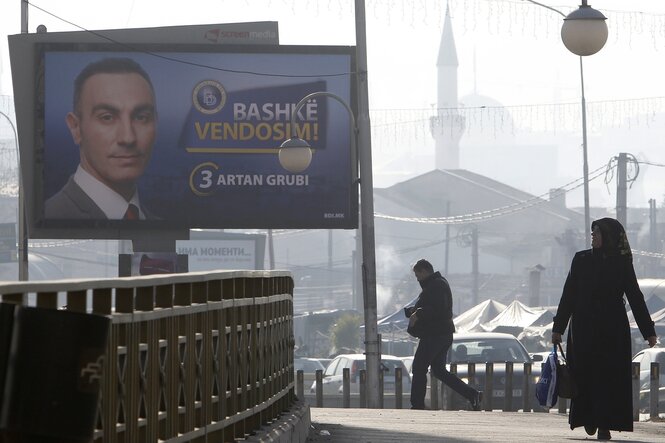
(114, 122)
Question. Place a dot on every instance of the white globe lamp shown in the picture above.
(295, 155)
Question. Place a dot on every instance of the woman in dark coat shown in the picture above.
(599, 341)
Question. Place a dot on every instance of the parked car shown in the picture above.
(498, 348)
(332, 377)
(644, 358)
(309, 366)
(325, 361)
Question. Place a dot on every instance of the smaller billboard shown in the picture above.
(210, 251)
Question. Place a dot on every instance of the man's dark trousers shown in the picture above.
(432, 352)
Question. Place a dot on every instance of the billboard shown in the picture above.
(210, 251)
(189, 139)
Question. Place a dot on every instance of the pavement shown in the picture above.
(405, 425)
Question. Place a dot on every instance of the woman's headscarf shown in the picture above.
(615, 242)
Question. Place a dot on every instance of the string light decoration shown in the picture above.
(498, 17)
(557, 118)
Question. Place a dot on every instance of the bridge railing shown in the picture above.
(503, 391)
(190, 357)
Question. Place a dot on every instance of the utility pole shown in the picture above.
(534, 285)
(474, 265)
(330, 262)
(653, 226)
(622, 211)
(355, 285)
(447, 247)
(653, 237)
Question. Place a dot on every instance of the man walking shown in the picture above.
(434, 318)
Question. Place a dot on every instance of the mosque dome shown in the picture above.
(481, 107)
(477, 100)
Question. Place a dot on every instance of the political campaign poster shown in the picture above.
(189, 136)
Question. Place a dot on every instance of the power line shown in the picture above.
(185, 62)
(660, 165)
(489, 214)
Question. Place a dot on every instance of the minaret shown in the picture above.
(447, 127)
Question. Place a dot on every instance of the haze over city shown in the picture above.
(508, 50)
(518, 87)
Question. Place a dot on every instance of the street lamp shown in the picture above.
(372, 340)
(584, 32)
(295, 156)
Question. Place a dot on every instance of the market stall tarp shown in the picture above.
(472, 319)
(514, 318)
(396, 321)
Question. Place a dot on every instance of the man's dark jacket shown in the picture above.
(436, 301)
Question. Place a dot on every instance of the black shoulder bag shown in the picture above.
(566, 385)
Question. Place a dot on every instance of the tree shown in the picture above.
(346, 332)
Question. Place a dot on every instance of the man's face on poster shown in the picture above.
(115, 127)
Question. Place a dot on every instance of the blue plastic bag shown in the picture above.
(546, 388)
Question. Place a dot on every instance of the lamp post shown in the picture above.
(295, 156)
(584, 32)
(22, 231)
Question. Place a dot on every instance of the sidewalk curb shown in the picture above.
(292, 426)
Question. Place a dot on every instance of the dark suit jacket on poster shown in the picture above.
(72, 203)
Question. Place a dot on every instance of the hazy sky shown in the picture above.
(509, 50)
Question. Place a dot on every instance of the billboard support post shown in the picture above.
(372, 339)
(22, 231)
(24, 16)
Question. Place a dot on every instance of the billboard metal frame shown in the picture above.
(31, 120)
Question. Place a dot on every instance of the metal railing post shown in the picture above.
(653, 389)
(434, 392)
(508, 388)
(635, 369)
(362, 388)
(526, 388)
(398, 388)
(471, 372)
(453, 395)
(488, 395)
(300, 384)
(442, 395)
(319, 388)
(381, 377)
(346, 388)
